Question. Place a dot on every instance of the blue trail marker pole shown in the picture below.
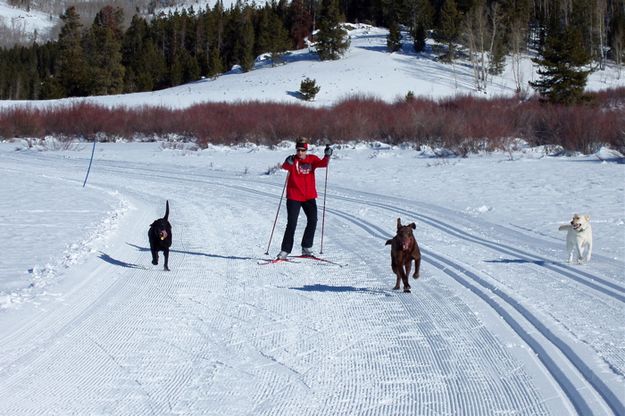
(95, 139)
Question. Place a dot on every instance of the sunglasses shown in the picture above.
(301, 150)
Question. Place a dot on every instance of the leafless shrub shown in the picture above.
(463, 124)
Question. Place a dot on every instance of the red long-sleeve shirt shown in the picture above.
(301, 185)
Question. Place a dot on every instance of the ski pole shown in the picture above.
(277, 212)
(323, 217)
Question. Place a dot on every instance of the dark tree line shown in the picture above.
(162, 52)
(167, 50)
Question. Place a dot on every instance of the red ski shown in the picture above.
(304, 256)
(264, 262)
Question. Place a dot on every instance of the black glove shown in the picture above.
(328, 151)
(290, 160)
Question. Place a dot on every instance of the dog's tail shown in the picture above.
(389, 242)
(166, 209)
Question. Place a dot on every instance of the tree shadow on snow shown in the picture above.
(376, 48)
(521, 261)
(295, 94)
(196, 253)
(617, 160)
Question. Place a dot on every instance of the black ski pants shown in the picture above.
(292, 209)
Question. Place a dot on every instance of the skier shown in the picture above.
(301, 192)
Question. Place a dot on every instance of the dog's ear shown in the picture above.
(389, 242)
(398, 223)
(587, 217)
(412, 225)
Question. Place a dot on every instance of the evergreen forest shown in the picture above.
(113, 56)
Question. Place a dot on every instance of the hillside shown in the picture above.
(366, 69)
(38, 21)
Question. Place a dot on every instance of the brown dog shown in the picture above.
(404, 249)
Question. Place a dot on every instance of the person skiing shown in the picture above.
(301, 193)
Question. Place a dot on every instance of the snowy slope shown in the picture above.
(29, 22)
(23, 21)
(497, 323)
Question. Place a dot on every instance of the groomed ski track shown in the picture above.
(486, 329)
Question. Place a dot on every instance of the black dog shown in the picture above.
(160, 237)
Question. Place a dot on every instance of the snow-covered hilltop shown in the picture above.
(366, 69)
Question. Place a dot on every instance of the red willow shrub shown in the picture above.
(463, 124)
(21, 122)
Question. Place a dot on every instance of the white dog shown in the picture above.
(578, 239)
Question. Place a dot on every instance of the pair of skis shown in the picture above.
(290, 259)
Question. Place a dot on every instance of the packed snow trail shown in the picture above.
(220, 334)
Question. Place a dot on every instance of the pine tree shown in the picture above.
(202, 41)
(450, 28)
(175, 72)
(263, 29)
(246, 52)
(238, 48)
(214, 63)
(332, 40)
(51, 89)
(421, 17)
(72, 64)
(145, 64)
(190, 67)
(419, 36)
(272, 36)
(133, 45)
(308, 89)
(50, 86)
(497, 58)
(393, 40)
(281, 42)
(105, 56)
(300, 22)
(562, 77)
(216, 34)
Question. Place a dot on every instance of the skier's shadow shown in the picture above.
(196, 253)
(337, 289)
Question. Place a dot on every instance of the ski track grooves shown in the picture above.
(563, 270)
(610, 397)
(592, 281)
(535, 259)
(486, 294)
(449, 400)
(550, 348)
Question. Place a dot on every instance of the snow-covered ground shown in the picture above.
(366, 69)
(26, 22)
(497, 323)
(37, 24)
